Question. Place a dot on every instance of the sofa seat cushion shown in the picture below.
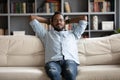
(22, 73)
(99, 72)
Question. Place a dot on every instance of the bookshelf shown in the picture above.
(14, 14)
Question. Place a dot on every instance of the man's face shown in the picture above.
(58, 22)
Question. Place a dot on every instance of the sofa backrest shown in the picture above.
(28, 50)
(102, 50)
(21, 51)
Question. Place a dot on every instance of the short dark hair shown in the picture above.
(56, 14)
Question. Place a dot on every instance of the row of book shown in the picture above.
(22, 7)
(3, 7)
(100, 6)
(52, 6)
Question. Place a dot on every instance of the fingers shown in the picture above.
(85, 18)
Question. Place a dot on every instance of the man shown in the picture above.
(61, 54)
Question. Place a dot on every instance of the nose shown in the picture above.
(58, 21)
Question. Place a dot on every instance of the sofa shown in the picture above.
(22, 58)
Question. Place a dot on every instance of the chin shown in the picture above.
(58, 29)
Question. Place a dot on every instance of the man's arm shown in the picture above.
(79, 29)
(76, 19)
(40, 19)
(38, 28)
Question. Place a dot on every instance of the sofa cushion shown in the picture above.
(94, 46)
(23, 73)
(102, 50)
(115, 43)
(23, 45)
(3, 50)
(21, 51)
(3, 47)
(99, 72)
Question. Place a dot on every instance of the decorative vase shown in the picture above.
(95, 22)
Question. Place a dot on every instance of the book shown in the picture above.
(1, 31)
(91, 8)
(96, 7)
(47, 7)
(101, 6)
(24, 7)
(67, 7)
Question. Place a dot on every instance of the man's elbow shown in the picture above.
(32, 17)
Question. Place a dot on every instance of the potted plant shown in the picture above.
(117, 31)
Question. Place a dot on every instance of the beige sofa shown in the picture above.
(22, 58)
